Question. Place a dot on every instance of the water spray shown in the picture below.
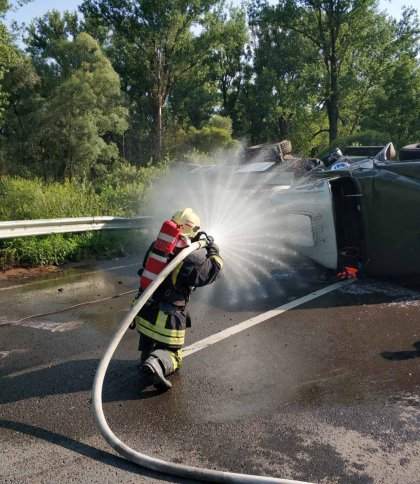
(235, 209)
(123, 449)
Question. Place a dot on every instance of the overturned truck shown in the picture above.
(357, 208)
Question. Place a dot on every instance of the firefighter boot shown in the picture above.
(152, 367)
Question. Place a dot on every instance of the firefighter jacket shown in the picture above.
(164, 318)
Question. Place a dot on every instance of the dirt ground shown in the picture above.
(29, 272)
(26, 273)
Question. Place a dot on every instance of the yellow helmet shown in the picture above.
(188, 220)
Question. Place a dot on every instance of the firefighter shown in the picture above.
(164, 318)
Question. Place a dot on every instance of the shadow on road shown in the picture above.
(122, 382)
(402, 355)
(84, 449)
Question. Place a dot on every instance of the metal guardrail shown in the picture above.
(23, 228)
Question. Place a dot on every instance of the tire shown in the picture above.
(409, 152)
(286, 147)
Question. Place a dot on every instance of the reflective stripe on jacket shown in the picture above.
(164, 319)
(196, 270)
(166, 328)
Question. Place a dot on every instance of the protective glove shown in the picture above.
(212, 248)
(199, 236)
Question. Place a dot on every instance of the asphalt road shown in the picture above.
(327, 391)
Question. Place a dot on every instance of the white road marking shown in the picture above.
(3, 354)
(19, 286)
(52, 326)
(67, 326)
(215, 338)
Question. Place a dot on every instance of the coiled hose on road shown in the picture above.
(143, 460)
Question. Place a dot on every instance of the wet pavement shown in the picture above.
(325, 392)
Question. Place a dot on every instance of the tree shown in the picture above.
(193, 99)
(395, 102)
(21, 83)
(47, 43)
(333, 27)
(7, 50)
(160, 46)
(228, 57)
(72, 112)
(203, 145)
(85, 110)
(281, 96)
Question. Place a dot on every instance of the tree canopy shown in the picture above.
(144, 81)
(66, 106)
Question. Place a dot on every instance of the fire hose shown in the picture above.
(132, 455)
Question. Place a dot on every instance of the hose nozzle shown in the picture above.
(202, 238)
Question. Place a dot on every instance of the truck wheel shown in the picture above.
(286, 147)
(409, 152)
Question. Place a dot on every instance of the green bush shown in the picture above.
(200, 145)
(198, 158)
(214, 135)
(120, 192)
(33, 199)
(39, 251)
(8, 258)
(209, 138)
(56, 249)
(123, 191)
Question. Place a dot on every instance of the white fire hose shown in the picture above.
(123, 449)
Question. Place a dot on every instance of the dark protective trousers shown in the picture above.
(170, 360)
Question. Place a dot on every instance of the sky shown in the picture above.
(37, 8)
